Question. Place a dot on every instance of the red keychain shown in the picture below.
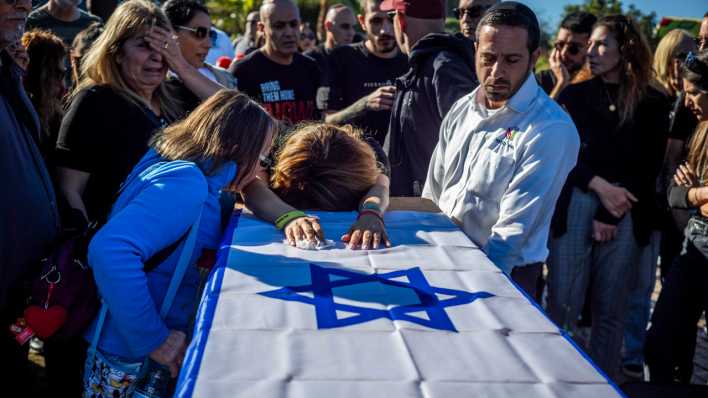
(46, 321)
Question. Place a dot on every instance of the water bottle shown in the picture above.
(154, 381)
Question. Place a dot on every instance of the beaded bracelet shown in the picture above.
(282, 221)
(369, 211)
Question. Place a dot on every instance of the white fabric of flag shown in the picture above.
(430, 317)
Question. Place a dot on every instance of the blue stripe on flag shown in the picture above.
(565, 335)
(205, 315)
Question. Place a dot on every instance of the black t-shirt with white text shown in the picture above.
(356, 73)
(287, 92)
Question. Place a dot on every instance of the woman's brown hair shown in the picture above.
(698, 152)
(100, 64)
(46, 53)
(636, 65)
(325, 167)
(226, 127)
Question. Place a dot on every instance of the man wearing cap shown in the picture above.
(441, 72)
(505, 150)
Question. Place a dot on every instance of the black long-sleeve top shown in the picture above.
(629, 155)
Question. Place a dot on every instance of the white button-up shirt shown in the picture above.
(500, 173)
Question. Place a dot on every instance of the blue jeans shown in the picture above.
(639, 306)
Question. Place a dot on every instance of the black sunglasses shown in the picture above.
(200, 32)
(573, 48)
(472, 12)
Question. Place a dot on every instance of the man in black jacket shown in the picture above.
(29, 219)
(441, 72)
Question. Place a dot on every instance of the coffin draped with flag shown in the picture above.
(429, 317)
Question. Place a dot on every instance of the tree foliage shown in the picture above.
(600, 8)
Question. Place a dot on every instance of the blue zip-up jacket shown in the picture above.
(160, 201)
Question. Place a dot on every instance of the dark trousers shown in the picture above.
(16, 375)
(65, 364)
(671, 340)
(527, 278)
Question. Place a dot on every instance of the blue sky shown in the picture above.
(551, 10)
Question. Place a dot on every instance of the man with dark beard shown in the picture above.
(361, 90)
(505, 150)
(441, 72)
(568, 56)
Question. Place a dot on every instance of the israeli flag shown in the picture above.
(430, 317)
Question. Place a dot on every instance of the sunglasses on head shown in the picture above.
(573, 48)
(200, 32)
(695, 65)
(472, 12)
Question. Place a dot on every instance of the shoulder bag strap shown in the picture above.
(175, 282)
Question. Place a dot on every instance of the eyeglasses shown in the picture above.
(200, 32)
(573, 48)
(391, 14)
(471, 12)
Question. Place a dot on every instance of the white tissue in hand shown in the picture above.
(305, 244)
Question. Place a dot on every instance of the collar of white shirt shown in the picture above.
(521, 101)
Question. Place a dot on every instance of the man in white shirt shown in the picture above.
(505, 150)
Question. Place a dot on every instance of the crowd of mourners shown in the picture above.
(128, 138)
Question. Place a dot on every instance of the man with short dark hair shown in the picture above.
(339, 27)
(469, 12)
(441, 71)
(284, 81)
(61, 17)
(567, 58)
(361, 88)
(29, 220)
(505, 150)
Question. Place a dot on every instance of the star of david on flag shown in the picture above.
(325, 280)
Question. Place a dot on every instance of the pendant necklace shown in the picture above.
(612, 106)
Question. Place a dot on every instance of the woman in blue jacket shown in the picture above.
(180, 176)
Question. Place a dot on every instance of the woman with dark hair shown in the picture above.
(671, 340)
(44, 82)
(605, 212)
(79, 47)
(192, 24)
(218, 145)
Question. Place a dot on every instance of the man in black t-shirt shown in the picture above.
(361, 90)
(63, 18)
(339, 28)
(277, 76)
